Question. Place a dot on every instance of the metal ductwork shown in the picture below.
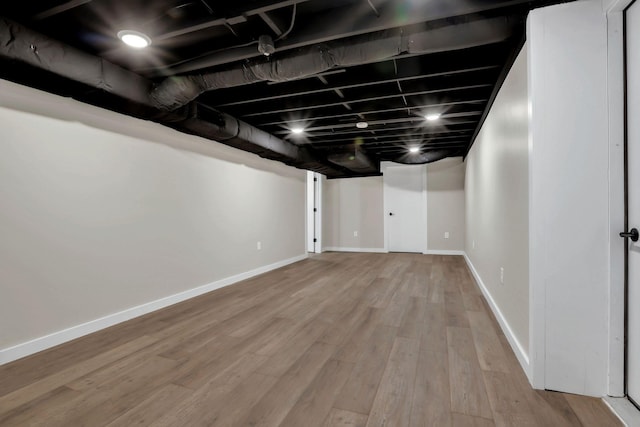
(356, 161)
(427, 157)
(22, 44)
(22, 47)
(178, 91)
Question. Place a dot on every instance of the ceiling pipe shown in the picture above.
(429, 156)
(177, 91)
(356, 161)
(21, 47)
(22, 44)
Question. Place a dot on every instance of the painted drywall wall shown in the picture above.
(351, 206)
(497, 209)
(445, 205)
(356, 204)
(569, 221)
(102, 212)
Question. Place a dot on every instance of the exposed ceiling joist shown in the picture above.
(318, 32)
(239, 15)
(60, 9)
(361, 83)
(351, 83)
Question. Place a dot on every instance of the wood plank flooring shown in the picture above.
(340, 339)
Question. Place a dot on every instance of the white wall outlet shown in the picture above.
(446, 234)
(355, 234)
(259, 245)
(502, 275)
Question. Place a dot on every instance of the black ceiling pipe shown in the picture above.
(22, 47)
(176, 91)
(428, 156)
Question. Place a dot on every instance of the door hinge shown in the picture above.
(315, 209)
(315, 240)
(315, 179)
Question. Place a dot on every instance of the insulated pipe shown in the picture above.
(176, 91)
(22, 45)
(427, 156)
(356, 161)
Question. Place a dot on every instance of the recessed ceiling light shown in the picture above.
(362, 125)
(134, 39)
(414, 149)
(297, 131)
(432, 117)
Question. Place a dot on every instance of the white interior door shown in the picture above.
(633, 192)
(405, 203)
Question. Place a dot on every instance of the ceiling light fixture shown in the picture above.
(362, 125)
(432, 117)
(414, 149)
(297, 131)
(134, 39)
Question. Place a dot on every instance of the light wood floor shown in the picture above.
(337, 340)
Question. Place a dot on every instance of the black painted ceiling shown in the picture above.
(392, 95)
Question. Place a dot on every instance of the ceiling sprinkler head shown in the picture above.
(265, 45)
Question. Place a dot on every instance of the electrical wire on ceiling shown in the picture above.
(224, 49)
(374, 8)
(293, 22)
(206, 5)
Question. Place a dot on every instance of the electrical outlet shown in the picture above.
(259, 245)
(355, 234)
(502, 275)
(446, 234)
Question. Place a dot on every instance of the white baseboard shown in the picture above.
(42, 343)
(342, 249)
(517, 348)
(624, 410)
(443, 252)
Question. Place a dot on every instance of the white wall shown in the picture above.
(356, 204)
(353, 205)
(497, 207)
(102, 213)
(445, 205)
(569, 197)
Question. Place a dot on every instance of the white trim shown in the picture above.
(343, 249)
(443, 252)
(310, 217)
(425, 206)
(385, 205)
(616, 303)
(537, 289)
(319, 209)
(42, 343)
(616, 5)
(624, 410)
(522, 356)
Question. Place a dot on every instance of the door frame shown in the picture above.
(314, 218)
(384, 166)
(617, 123)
